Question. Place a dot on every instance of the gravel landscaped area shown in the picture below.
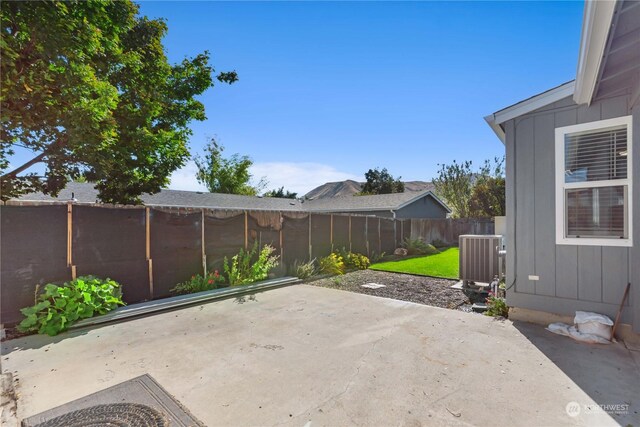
(406, 287)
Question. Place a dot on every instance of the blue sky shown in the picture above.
(328, 90)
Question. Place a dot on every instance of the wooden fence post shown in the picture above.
(69, 234)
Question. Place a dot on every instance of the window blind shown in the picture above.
(596, 155)
(596, 212)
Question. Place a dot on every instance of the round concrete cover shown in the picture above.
(116, 414)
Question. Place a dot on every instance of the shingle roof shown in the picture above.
(86, 193)
(376, 202)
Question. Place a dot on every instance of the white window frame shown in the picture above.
(561, 185)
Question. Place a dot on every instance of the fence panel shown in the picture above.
(295, 239)
(340, 232)
(111, 242)
(448, 230)
(34, 252)
(387, 236)
(359, 234)
(176, 248)
(223, 237)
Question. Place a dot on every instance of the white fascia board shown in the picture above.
(497, 129)
(528, 105)
(596, 25)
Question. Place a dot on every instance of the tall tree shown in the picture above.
(381, 182)
(88, 90)
(281, 193)
(226, 175)
(472, 193)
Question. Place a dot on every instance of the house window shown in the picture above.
(593, 183)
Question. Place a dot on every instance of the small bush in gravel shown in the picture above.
(305, 270)
(332, 264)
(418, 247)
(353, 260)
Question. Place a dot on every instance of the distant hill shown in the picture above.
(350, 187)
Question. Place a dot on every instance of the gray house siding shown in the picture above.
(571, 277)
(423, 208)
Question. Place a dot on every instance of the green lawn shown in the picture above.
(444, 264)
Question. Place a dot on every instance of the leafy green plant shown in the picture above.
(250, 266)
(58, 307)
(418, 247)
(377, 257)
(199, 283)
(496, 306)
(332, 264)
(354, 261)
(305, 270)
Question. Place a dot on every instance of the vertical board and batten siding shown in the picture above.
(571, 277)
(634, 251)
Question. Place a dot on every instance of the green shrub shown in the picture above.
(332, 264)
(198, 283)
(354, 261)
(497, 306)
(305, 270)
(250, 266)
(58, 307)
(418, 247)
(439, 243)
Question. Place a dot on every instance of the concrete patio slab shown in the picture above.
(305, 355)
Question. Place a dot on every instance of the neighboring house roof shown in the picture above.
(608, 62)
(350, 188)
(85, 193)
(380, 202)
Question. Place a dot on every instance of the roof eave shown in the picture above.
(596, 25)
(497, 129)
(548, 97)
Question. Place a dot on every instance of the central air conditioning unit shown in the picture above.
(479, 258)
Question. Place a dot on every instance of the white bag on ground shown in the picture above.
(589, 327)
(593, 324)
